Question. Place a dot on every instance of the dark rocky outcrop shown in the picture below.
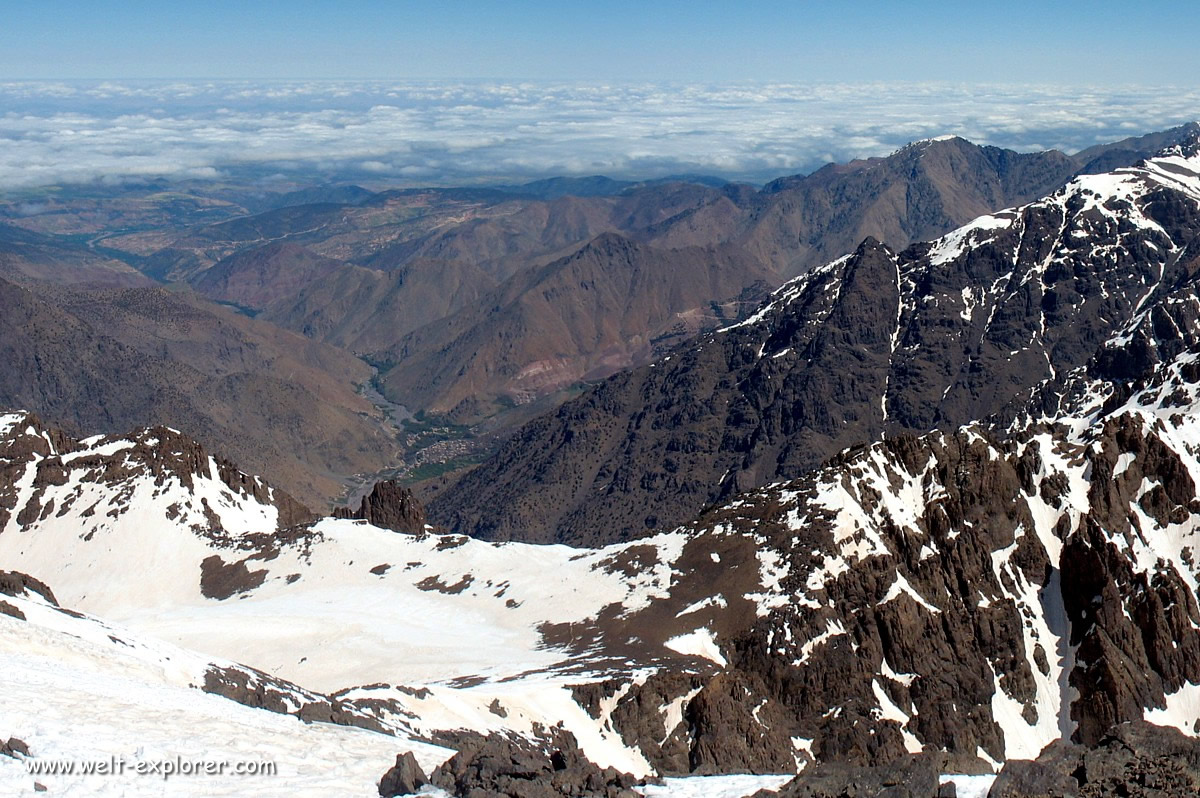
(14, 747)
(982, 560)
(497, 766)
(915, 777)
(389, 505)
(1132, 760)
(159, 454)
(259, 690)
(403, 778)
(14, 583)
(637, 716)
(221, 580)
(729, 736)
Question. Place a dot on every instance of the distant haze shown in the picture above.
(479, 132)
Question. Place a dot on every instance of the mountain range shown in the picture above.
(925, 515)
(934, 336)
(463, 252)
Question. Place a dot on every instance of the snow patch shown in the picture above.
(697, 643)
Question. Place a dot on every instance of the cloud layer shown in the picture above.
(462, 133)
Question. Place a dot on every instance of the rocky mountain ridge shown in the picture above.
(450, 241)
(935, 336)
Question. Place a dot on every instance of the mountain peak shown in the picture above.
(924, 144)
(1188, 148)
(935, 139)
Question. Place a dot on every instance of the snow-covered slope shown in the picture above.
(433, 632)
(81, 693)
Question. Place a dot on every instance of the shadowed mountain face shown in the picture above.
(365, 310)
(255, 278)
(935, 336)
(610, 305)
(102, 361)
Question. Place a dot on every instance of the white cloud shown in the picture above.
(54, 132)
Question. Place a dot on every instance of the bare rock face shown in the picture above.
(866, 639)
(1135, 759)
(728, 738)
(258, 690)
(498, 766)
(391, 506)
(916, 777)
(404, 778)
(14, 583)
(637, 716)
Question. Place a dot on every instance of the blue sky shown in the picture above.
(1095, 43)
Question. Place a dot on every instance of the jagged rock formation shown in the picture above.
(972, 595)
(539, 331)
(47, 477)
(403, 778)
(391, 506)
(942, 602)
(416, 287)
(506, 766)
(1134, 759)
(934, 336)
